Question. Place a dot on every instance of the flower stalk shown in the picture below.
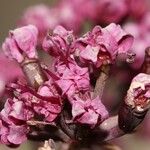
(101, 81)
(33, 72)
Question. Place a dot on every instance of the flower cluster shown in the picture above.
(66, 96)
(67, 81)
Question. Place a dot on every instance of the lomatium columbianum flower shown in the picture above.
(42, 95)
(137, 101)
(102, 45)
(20, 42)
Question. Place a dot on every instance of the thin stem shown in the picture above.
(40, 130)
(146, 64)
(36, 123)
(67, 130)
(101, 81)
(33, 72)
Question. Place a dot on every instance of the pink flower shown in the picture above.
(109, 11)
(52, 107)
(88, 111)
(69, 16)
(43, 17)
(46, 107)
(13, 134)
(21, 41)
(13, 122)
(102, 45)
(73, 79)
(123, 38)
(46, 102)
(139, 91)
(17, 134)
(59, 43)
(88, 13)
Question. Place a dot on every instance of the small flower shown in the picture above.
(102, 45)
(73, 79)
(51, 107)
(45, 102)
(21, 43)
(88, 111)
(138, 93)
(13, 122)
(13, 134)
(59, 43)
(137, 8)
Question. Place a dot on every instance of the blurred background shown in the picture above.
(10, 12)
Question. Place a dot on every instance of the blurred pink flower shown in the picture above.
(69, 16)
(90, 8)
(145, 23)
(141, 32)
(42, 16)
(5, 76)
(13, 135)
(109, 11)
(137, 8)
